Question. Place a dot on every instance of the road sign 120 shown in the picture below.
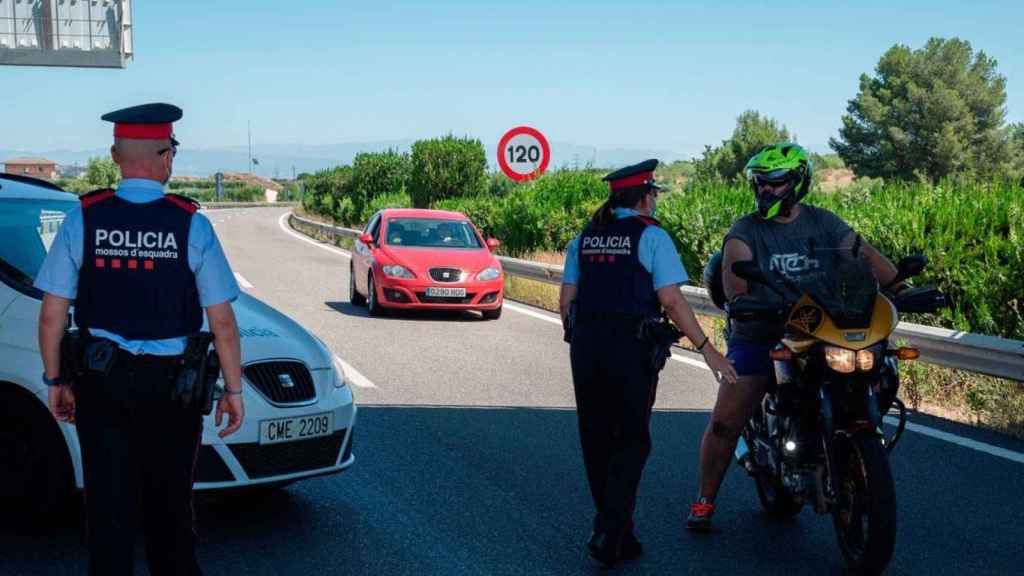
(523, 153)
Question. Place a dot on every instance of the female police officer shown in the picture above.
(138, 445)
(621, 271)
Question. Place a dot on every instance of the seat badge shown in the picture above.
(286, 380)
(446, 275)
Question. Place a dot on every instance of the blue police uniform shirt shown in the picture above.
(214, 280)
(656, 252)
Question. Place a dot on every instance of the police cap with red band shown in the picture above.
(145, 122)
(637, 175)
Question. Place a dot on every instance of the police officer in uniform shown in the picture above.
(140, 266)
(621, 272)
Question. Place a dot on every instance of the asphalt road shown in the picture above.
(468, 461)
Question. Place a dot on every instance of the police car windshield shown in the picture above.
(28, 228)
(431, 233)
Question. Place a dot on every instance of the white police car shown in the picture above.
(299, 412)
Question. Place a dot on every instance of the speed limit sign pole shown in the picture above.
(523, 153)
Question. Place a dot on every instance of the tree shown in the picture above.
(447, 167)
(1016, 137)
(752, 132)
(927, 113)
(102, 173)
(378, 173)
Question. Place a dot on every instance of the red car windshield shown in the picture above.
(431, 233)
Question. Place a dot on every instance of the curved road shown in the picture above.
(468, 460)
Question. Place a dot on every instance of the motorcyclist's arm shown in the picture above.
(736, 250)
(885, 271)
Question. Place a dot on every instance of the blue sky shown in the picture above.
(626, 74)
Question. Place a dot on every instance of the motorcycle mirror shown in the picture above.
(908, 268)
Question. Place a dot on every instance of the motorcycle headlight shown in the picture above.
(339, 373)
(396, 271)
(840, 359)
(488, 274)
(865, 360)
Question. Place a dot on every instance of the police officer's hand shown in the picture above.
(232, 405)
(62, 403)
(720, 365)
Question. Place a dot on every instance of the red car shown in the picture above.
(425, 259)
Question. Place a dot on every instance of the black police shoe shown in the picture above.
(631, 547)
(605, 548)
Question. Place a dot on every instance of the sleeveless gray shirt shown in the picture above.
(799, 249)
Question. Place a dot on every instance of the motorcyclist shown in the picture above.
(785, 237)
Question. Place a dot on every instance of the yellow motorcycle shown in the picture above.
(818, 438)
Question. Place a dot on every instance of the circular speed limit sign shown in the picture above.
(523, 153)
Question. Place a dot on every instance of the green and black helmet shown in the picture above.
(781, 163)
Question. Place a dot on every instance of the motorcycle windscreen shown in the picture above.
(844, 286)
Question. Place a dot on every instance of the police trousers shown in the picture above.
(615, 385)
(138, 454)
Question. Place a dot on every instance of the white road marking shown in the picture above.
(556, 320)
(923, 430)
(241, 280)
(353, 376)
(289, 231)
(961, 441)
(533, 313)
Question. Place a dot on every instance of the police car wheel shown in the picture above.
(37, 482)
(491, 314)
(372, 303)
(354, 296)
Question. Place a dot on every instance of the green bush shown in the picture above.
(378, 173)
(325, 191)
(447, 167)
(398, 199)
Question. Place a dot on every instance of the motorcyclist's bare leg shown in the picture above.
(735, 405)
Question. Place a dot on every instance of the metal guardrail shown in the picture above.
(222, 205)
(979, 353)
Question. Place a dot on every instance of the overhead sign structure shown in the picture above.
(523, 153)
(69, 33)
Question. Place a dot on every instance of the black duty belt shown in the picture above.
(611, 319)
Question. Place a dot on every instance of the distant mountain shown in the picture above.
(279, 160)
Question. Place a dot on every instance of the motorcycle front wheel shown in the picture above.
(776, 500)
(864, 514)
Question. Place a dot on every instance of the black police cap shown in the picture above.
(146, 121)
(641, 174)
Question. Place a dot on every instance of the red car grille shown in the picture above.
(439, 274)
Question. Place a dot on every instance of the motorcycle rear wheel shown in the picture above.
(864, 514)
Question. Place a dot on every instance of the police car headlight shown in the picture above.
(396, 271)
(339, 373)
(488, 274)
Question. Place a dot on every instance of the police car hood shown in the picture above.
(267, 333)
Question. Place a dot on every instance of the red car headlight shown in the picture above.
(396, 271)
(488, 274)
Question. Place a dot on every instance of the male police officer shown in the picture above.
(140, 266)
(620, 272)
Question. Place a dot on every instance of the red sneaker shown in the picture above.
(700, 515)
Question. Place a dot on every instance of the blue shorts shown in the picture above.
(750, 358)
